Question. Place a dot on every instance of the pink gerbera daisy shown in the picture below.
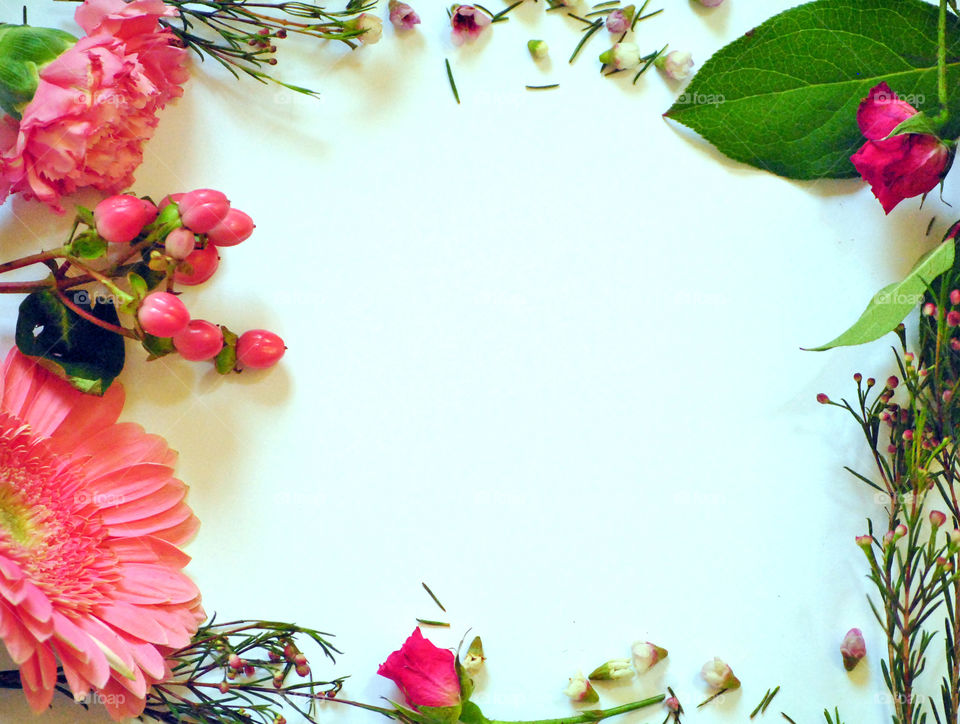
(91, 518)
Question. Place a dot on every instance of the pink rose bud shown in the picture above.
(119, 219)
(622, 56)
(370, 27)
(235, 227)
(675, 65)
(162, 314)
(619, 20)
(538, 49)
(202, 209)
(579, 689)
(719, 675)
(896, 167)
(179, 243)
(403, 16)
(646, 655)
(852, 649)
(467, 22)
(426, 674)
(937, 518)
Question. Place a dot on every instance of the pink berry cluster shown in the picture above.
(180, 239)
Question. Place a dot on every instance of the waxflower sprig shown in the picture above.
(118, 275)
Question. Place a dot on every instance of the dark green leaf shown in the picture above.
(471, 714)
(784, 97)
(88, 245)
(88, 356)
(157, 346)
(892, 303)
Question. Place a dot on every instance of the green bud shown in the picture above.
(538, 48)
(612, 669)
(24, 52)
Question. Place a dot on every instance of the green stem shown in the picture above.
(590, 715)
(942, 61)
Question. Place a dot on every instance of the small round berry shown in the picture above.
(199, 340)
(235, 227)
(179, 243)
(953, 318)
(200, 265)
(202, 209)
(259, 349)
(955, 297)
(930, 309)
(162, 314)
(120, 218)
(892, 382)
(822, 398)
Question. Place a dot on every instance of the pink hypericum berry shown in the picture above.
(162, 314)
(403, 16)
(202, 264)
(180, 243)
(235, 227)
(937, 518)
(852, 649)
(120, 218)
(199, 340)
(203, 209)
(259, 349)
(169, 199)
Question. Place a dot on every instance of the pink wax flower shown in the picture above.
(646, 655)
(425, 674)
(675, 64)
(719, 675)
(91, 575)
(94, 105)
(581, 690)
(403, 16)
(853, 649)
(619, 20)
(467, 22)
(901, 166)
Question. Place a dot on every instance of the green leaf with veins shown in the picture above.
(895, 301)
(784, 96)
(89, 357)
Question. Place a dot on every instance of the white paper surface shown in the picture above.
(544, 355)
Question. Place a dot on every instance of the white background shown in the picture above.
(544, 354)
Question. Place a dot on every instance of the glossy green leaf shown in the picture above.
(86, 355)
(784, 96)
(891, 304)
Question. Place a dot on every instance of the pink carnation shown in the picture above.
(95, 105)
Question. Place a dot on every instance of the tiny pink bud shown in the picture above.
(955, 297)
(120, 218)
(857, 377)
(403, 16)
(202, 209)
(719, 675)
(249, 670)
(953, 318)
(889, 537)
(235, 662)
(947, 395)
(891, 448)
(579, 689)
(278, 681)
(853, 649)
(300, 660)
(822, 398)
(622, 56)
(954, 537)
(179, 243)
(864, 541)
(672, 703)
(900, 531)
(908, 435)
(619, 20)
(646, 655)
(224, 687)
(945, 564)
(871, 382)
(675, 65)
(908, 358)
(302, 670)
(937, 518)
(235, 227)
(162, 314)
(930, 309)
(892, 382)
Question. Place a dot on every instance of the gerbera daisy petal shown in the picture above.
(90, 518)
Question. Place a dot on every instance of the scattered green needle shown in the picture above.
(765, 702)
(453, 85)
(787, 718)
(769, 699)
(429, 622)
(433, 596)
(594, 27)
(543, 87)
